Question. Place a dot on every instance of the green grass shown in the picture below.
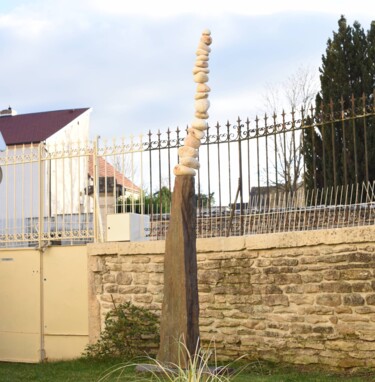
(88, 370)
(67, 371)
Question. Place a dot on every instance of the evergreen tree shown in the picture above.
(335, 153)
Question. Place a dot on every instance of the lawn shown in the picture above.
(85, 370)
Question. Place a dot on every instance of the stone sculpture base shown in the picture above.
(180, 310)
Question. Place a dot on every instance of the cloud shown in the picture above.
(24, 24)
(214, 8)
(132, 60)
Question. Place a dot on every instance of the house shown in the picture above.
(33, 128)
(35, 166)
(111, 180)
(111, 185)
(49, 170)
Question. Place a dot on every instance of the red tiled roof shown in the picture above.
(106, 170)
(36, 127)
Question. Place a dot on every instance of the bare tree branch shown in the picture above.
(296, 93)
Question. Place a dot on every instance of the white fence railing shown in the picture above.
(64, 194)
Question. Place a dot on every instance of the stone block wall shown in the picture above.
(302, 298)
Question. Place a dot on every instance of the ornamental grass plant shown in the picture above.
(202, 366)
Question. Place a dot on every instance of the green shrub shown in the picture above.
(129, 331)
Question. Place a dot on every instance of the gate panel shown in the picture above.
(20, 305)
(65, 301)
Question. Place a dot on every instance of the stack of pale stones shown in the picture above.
(188, 153)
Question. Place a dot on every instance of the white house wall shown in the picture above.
(68, 152)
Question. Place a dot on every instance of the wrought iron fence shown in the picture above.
(308, 169)
(275, 164)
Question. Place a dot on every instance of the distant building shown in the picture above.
(32, 171)
(112, 184)
(276, 197)
(48, 170)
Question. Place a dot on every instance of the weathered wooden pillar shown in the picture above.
(180, 309)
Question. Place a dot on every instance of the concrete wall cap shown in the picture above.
(311, 238)
(142, 248)
(100, 249)
(221, 244)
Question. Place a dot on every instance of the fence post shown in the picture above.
(98, 234)
(240, 181)
(41, 195)
(41, 248)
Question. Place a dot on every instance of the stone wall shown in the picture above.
(302, 297)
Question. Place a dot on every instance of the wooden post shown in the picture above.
(179, 327)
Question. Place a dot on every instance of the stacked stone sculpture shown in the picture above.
(188, 153)
(179, 323)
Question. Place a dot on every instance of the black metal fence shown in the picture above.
(302, 160)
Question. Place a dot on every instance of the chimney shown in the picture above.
(8, 112)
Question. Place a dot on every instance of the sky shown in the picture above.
(131, 61)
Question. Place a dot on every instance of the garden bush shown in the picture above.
(130, 331)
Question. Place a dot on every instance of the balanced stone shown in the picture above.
(200, 51)
(203, 88)
(203, 58)
(192, 141)
(190, 162)
(199, 134)
(201, 77)
(186, 151)
(199, 124)
(198, 69)
(180, 169)
(201, 64)
(206, 39)
(204, 46)
(202, 105)
(200, 95)
(201, 115)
